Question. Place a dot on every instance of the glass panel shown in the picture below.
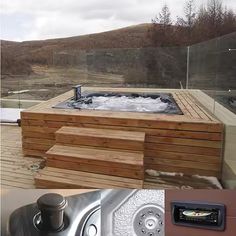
(226, 72)
(146, 67)
(47, 74)
(12, 71)
(225, 103)
(203, 71)
(212, 69)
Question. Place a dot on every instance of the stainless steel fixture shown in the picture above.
(132, 212)
(77, 215)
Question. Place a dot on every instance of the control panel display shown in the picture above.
(202, 215)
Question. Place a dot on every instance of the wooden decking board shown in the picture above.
(206, 151)
(194, 107)
(57, 182)
(201, 111)
(38, 140)
(173, 155)
(101, 142)
(115, 139)
(181, 105)
(15, 172)
(17, 179)
(33, 153)
(14, 184)
(184, 142)
(17, 175)
(217, 136)
(188, 107)
(15, 165)
(115, 171)
(38, 129)
(38, 135)
(37, 146)
(203, 114)
(184, 163)
(50, 176)
(161, 123)
(155, 124)
(98, 156)
(101, 133)
(20, 172)
(91, 147)
(86, 175)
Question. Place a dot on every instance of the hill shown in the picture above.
(23, 54)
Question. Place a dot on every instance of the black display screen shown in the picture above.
(198, 216)
(201, 215)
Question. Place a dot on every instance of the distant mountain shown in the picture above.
(23, 54)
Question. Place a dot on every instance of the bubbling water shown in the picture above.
(124, 103)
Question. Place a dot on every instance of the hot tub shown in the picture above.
(173, 142)
(126, 102)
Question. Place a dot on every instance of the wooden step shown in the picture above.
(50, 177)
(109, 162)
(118, 139)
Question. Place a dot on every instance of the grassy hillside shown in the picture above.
(24, 54)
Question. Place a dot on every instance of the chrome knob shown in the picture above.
(51, 206)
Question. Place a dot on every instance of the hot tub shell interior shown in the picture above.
(162, 103)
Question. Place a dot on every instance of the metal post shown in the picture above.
(187, 71)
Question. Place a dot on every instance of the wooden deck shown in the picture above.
(16, 171)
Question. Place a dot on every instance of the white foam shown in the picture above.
(125, 103)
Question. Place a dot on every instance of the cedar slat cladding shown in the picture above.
(189, 143)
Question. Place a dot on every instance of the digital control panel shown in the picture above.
(198, 214)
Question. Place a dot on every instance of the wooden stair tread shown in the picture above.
(106, 138)
(103, 133)
(55, 177)
(96, 154)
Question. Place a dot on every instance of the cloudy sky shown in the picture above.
(41, 19)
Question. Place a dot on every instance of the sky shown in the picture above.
(22, 20)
